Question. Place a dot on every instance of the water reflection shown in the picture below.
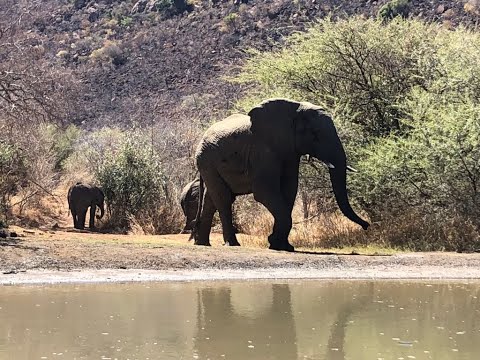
(242, 320)
(336, 342)
(243, 334)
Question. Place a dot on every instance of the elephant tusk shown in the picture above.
(330, 165)
(349, 168)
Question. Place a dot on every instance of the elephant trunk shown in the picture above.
(338, 177)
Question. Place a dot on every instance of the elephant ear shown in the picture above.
(273, 123)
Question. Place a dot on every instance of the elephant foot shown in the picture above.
(202, 243)
(206, 244)
(232, 243)
(283, 247)
(276, 244)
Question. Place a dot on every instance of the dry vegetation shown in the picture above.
(153, 80)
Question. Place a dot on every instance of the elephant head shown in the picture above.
(99, 199)
(293, 129)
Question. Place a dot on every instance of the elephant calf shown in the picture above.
(80, 198)
(189, 203)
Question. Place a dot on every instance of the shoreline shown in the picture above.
(96, 276)
(69, 257)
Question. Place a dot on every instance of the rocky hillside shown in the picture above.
(136, 62)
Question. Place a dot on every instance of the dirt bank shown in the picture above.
(67, 256)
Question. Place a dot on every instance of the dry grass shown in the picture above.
(323, 231)
(413, 231)
(330, 232)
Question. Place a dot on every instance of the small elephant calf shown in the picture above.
(80, 198)
(189, 203)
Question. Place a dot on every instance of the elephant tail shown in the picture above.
(201, 191)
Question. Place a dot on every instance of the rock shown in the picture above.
(78, 4)
(472, 6)
(139, 6)
(448, 14)
(440, 9)
(93, 14)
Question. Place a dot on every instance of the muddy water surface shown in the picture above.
(242, 320)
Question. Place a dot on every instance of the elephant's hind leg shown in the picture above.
(222, 199)
(202, 235)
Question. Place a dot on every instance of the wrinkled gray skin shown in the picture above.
(80, 198)
(260, 154)
(189, 203)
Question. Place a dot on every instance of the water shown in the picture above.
(242, 320)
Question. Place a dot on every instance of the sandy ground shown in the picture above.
(46, 256)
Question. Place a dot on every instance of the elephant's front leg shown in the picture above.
(272, 198)
(289, 184)
(82, 214)
(91, 222)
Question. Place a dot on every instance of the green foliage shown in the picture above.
(394, 8)
(162, 5)
(358, 69)
(62, 142)
(231, 20)
(405, 98)
(132, 181)
(126, 21)
(436, 166)
(12, 174)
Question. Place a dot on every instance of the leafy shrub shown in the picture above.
(126, 21)
(133, 184)
(394, 8)
(437, 166)
(109, 52)
(12, 174)
(62, 142)
(162, 5)
(231, 20)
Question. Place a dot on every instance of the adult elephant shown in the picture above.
(260, 154)
(80, 198)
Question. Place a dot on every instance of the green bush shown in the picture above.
(62, 142)
(437, 166)
(162, 5)
(133, 184)
(358, 69)
(12, 174)
(231, 20)
(394, 8)
(405, 98)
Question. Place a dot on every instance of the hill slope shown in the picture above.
(142, 67)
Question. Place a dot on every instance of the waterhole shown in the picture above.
(242, 320)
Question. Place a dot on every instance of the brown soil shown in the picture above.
(68, 250)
